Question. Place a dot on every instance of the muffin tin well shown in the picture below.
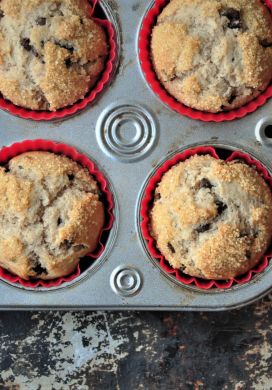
(104, 16)
(148, 22)
(224, 151)
(92, 261)
(128, 132)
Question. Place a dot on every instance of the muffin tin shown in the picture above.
(128, 132)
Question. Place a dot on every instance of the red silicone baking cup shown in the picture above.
(151, 243)
(89, 98)
(6, 153)
(153, 81)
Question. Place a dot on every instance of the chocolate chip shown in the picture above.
(38, 269)
(7, 170)
(234, 17)
(1, 14)
(34, 51)
(42, 44)
(248, 255)
(25, 42)
(59, 221)
(182, 267)
(264, 43)
(78, 248)
(68, 63)
(71, 176)
(40, 21)
(250, 234)
(67, 244)
(220, 206)
(70, 49)
(64, 46)
(243, 234)
(232, 98)
(203, 228)
(171, 248)
(157, 196)
(205, 183)
(255, 234)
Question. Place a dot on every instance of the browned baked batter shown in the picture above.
(213, 55)
(212, 219)
(50, 215)
(51, 52)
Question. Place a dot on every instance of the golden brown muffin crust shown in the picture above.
(51, 52)
(212, 219)
(50, 215)
(213, 55)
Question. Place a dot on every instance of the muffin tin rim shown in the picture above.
(95, 293)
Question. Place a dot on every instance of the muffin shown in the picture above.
(213, 55)
(212, 219)
(50, 214)
(51, 52)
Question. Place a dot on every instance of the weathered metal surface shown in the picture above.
(128, 131)
(137, 351)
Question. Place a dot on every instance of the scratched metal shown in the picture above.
(128, 132)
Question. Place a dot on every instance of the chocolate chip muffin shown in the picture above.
(51, 52)
(50, 215)
(211, 218)
(213, 55)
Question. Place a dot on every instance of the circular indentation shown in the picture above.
(126, 281)
(223, 151)
(268, 131)
(263, 131)
(126, 132)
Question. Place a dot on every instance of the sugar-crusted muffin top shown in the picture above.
(51, 52)
(211, 218)
(213, 55)
(50, 215)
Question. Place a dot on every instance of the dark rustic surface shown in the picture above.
(125, 351)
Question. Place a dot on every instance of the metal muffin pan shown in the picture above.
(128, 132)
